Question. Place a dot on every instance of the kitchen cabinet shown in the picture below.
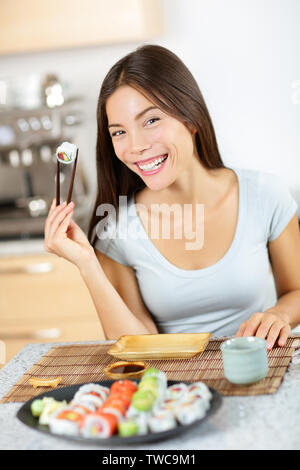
(35, 25)
(43, 298)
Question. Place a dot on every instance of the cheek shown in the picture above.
(184, 141)
(162, 135)
(120, 149)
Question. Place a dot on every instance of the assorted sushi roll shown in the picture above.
(199, 388)
(114, 406)
(183, 404)
(91, 395)
(150, 392)
(162, 421)
(159, 375)
(190, 411)
(134, 426)
(44, 408)
(126, 408)
(66, 421)
(101, 425)
(93, 389)
(177, 391)
(119, 399)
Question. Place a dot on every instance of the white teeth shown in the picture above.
(153, 164)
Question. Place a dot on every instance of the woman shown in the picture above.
(156, 151)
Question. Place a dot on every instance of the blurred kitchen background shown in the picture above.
(53, 58)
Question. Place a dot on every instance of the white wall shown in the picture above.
(245, 57)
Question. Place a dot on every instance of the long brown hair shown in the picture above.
(160, 75)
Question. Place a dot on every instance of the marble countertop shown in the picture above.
(264, 422)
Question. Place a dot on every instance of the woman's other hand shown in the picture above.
(64, 237)
(269, 325)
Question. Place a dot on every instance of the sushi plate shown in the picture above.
(67, 393)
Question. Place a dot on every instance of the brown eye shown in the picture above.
(151, 121)
(117, 133)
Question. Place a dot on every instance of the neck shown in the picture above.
(196, 184)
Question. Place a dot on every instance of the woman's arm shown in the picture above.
(116, 296)
(111, 288)
(277, 321)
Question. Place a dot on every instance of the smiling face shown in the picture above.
(151, 143)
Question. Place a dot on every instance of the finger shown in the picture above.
(53, 206)
(63, 227)
(51, 217)
(273, 334)
(76, 232)
(240, 331)
(252, 324)
(284, 334)
(264, 327)
(59, 218)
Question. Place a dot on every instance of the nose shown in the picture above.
(138, 145)
(139, 149)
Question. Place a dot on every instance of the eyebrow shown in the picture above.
(138, 116)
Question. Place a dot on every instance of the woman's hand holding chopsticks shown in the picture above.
(64, 237)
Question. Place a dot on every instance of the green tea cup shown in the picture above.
(245, 359)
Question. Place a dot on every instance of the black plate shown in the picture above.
(67, 393)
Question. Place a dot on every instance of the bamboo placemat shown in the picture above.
(80, 363)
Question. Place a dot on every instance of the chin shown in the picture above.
(157, 185)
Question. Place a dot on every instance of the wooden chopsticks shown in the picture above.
(71, 182)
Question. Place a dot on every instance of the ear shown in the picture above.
(191, 128)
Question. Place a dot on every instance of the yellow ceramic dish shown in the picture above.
(161, 346)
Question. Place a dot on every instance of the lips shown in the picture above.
(152, 165)
(150, 160)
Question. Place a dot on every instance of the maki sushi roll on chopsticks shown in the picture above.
(66, 153)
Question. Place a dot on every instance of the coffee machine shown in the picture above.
(32, 126)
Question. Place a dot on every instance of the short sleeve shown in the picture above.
(109, 242)
(277, 204)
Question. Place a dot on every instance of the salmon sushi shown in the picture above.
(99, 425)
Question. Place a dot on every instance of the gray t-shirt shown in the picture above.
(217, 298)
